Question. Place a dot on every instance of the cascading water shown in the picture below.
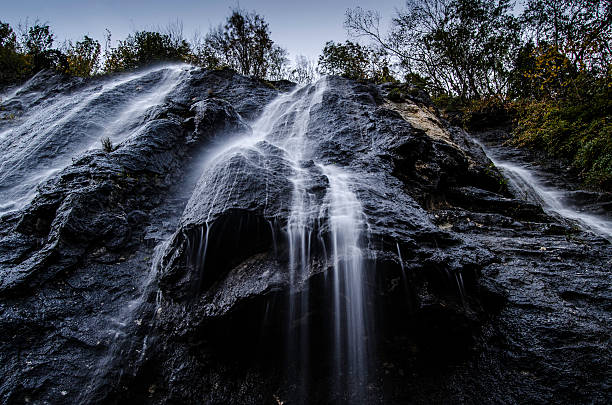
(525, 182)
(347, 224)
(51, 134)
(270, 263)
(47, 137)
(300, 229)
(10, 93)
(322, 226)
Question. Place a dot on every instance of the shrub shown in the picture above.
(489, 112)
(244, 44)
(143, 48)
(395, 95)
(577, 128)
(107, 145)
(83, 57)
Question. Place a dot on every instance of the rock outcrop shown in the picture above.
(158, 272)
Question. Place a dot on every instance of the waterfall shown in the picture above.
(45, 139)
(327, 226)
(347, 224)
(49, 135)
(526, 184)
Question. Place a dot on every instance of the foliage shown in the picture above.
(37, 41)
(551, 72)
(7, 36)
(520, 85)
(355, 61)
(14, 66)
(243, 43)
(448, 103)
(348, 59)
(564, 78)
(462, 47)
(83, 58)
(395, 95)
(577, 128)
(489, 112)
(418, 81)
(277, 61)
(143, 48)
(580, 30)
(549, 69)
(24, 55)
(107, 145)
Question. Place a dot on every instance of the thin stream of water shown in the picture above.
(333, 224)
(330, 225)
(525, 181)
(47, 138)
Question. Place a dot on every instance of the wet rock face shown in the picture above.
(159, 271)
(74, 259)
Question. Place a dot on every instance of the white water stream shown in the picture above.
(46, 139)
(334, 225)
(329, 226)
(526, 182)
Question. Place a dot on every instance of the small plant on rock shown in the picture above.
(107, 145)
(395, 95)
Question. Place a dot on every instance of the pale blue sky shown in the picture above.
(302, 27)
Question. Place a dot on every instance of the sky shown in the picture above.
(301, 27)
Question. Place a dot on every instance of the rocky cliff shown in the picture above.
(254, 242)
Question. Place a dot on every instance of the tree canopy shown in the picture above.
(462, 47)
(355, 61)
(243, 43)
(143, 48)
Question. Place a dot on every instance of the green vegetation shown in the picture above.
(243, 43)
(563, 104)
(395, 95)
(460, 47)
(547, 71)
(143, 48)
(83, 58)
(107, 145)
(355, 62)
(24, 55)
(577, 128)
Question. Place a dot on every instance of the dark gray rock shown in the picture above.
(107, 296)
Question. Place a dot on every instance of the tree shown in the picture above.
(277, 66)
(244, 44)
(37, 42)
(579, 29)
(568, 48)
(14, 66)
(348, 59)
(24, 55)
(354, 61)
(303, 70)
(462, 47)
(143, 48)
(8, 39)
(83, 57)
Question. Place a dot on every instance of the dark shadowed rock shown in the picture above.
(159, 272)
